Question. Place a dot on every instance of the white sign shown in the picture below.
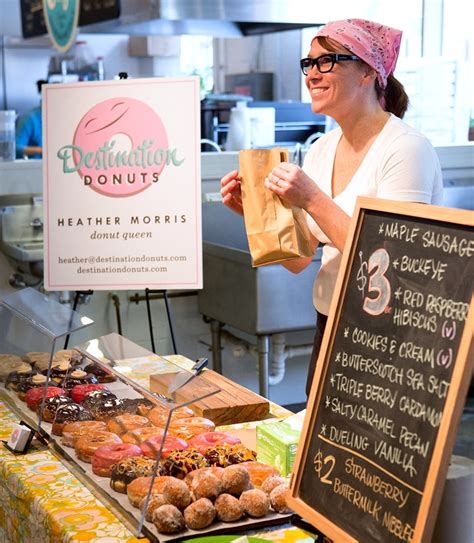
(122, 185)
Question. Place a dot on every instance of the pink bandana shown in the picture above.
(375, 44)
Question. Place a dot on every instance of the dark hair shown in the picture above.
(396, 99)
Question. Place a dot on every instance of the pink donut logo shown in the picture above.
(120, 148)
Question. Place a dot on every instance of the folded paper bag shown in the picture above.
(276, 231)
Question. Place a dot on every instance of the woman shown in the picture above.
(349, 75)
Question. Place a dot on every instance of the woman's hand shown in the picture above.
(231, 192)
(291, 183)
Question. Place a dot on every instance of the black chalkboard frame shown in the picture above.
(459, 384)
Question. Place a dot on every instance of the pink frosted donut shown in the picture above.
(151, 446)
(120, 137)
(202, 442)
(108, 455)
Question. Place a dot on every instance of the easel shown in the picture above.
(155, 293)
(164, 294)
(77, 295)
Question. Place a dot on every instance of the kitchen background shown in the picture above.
(436, 65)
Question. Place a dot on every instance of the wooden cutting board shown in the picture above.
(233, 404)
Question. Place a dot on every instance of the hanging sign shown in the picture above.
(61, 17)
(392, 376)
(90, 12)
(122, 184)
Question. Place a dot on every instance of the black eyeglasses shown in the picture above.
(324, 63)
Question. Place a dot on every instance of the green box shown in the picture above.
(276, 445)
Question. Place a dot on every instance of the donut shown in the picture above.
(217, 471)
(108, 408)
(69, 413)
(79, 392)
(278, 499)
(78, 377)
(139, 435)
(86, 444)
(228, 508)
(129, 469)
(176, 492)
(51, 405)
(106, 456)
(14, 378)
(226, 455)
(68, 355)
(138, 406)
(139, 487)
(235, 479)
(35, 381)
(159, 414)
(206, 485)
(113, 120)
(39, 360)
(259, 471)
(73, 430)
(102, 374)
(271, 482)
(202, 442)
(125, 423)
(151, 446)
(186, 428)
(58, 373)
(168, 519)
(255, 502)
(34, 396)
(199, 514)
(179, 463)
(10, 363)
(154, 502)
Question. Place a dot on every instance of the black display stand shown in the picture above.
(148, 292)
(78, 294)
(33, 432)
(164, 293)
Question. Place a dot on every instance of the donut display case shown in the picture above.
(163, 469)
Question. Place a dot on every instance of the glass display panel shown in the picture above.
(31, 325)
(45, 314)
(149, 373)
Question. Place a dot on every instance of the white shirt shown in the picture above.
(400, 165)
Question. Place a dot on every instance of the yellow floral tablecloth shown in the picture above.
(41, 501)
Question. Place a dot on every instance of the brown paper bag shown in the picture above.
(276, 231)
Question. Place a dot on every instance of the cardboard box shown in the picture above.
(277, 443)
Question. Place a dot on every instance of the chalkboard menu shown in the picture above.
(90, 11)
(392, 375)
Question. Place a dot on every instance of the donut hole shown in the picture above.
(228, 508)
(176, 492)
(272, 482)
(206, 485)
(255, 503)
(278, 499)
(199, 514)
(235, 479)
(168, 519)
